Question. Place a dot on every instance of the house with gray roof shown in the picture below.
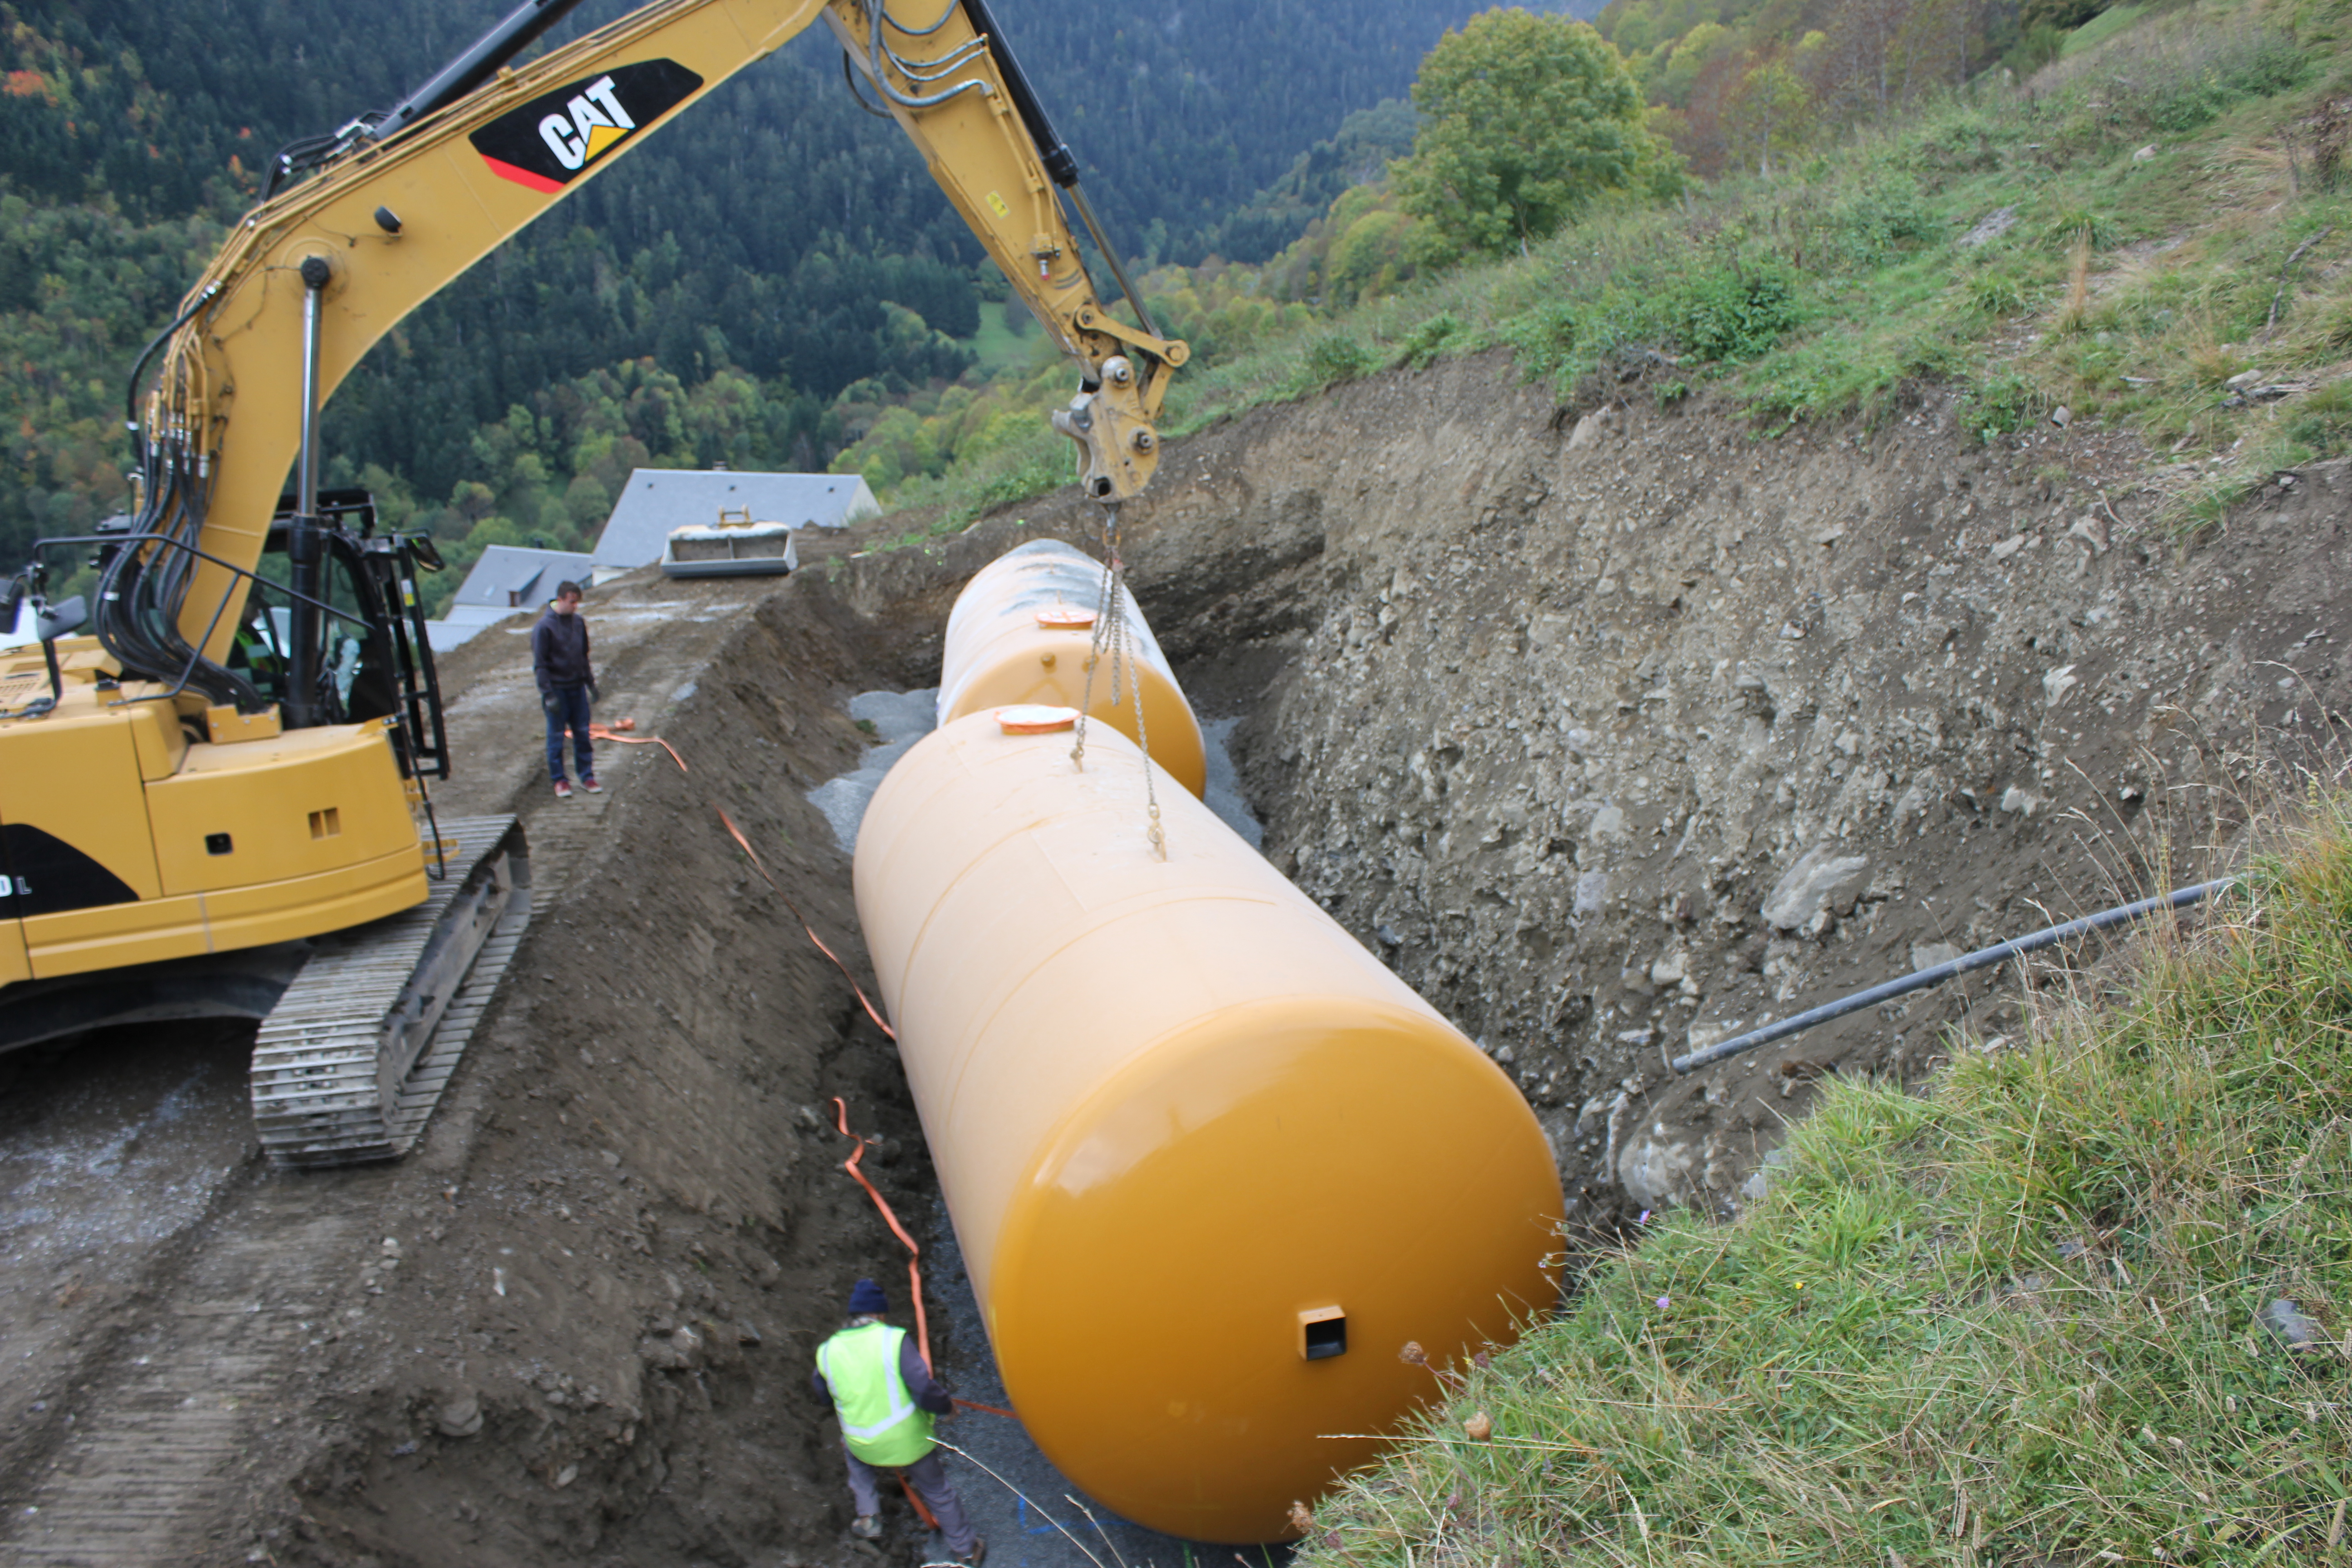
(507, 580)
(656, 501)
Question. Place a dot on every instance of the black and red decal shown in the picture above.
(560, 135)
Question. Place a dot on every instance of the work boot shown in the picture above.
(562, 789)
(976, 1556)
(866, 1527)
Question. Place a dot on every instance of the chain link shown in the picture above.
(1112, 636)
(1103, 602)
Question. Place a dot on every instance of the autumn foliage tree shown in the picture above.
(1525, 118)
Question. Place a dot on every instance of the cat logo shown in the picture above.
(557, 136)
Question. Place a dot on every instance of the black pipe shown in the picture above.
(476, 65)
(1983, 958)
(1061, 163)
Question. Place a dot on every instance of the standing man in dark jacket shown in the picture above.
(567, 685)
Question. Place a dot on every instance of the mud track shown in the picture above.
(1549, 707)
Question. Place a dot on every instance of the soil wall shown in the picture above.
(1618, 732)
(586, 1337)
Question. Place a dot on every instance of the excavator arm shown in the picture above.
(399, 206)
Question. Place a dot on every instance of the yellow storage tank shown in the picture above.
(1020, 632)
(1212, 1165)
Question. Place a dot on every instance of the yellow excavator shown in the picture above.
(214, 779)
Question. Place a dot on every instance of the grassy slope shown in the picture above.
(2021, 1321)
(2127, 289)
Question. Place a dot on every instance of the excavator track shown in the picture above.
(348, 1065)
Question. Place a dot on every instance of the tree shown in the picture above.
(1770, 111)
(1525, 118)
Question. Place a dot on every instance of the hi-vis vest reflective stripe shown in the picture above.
(880, 1419)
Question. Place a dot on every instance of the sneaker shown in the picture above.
(563, 790)
(866, 1527)
(592, 786)
(976, 1556)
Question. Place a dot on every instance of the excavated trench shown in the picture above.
(1613, 731)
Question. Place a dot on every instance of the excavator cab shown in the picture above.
(375, 659)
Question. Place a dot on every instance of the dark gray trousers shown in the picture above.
(929, 1480)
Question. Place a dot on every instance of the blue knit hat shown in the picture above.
(865, 1298)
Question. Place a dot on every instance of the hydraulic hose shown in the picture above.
(139, 366)
(875, 57)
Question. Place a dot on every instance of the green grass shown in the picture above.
(2128, 288)
(999, 348)
(2102, 27)
(2018, 1320)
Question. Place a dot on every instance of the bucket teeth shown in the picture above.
(318, 1095)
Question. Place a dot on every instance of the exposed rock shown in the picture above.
(1654, 1167)
(1990, 228)
(460, 1417)
(2287, 1323)
(1814, 884)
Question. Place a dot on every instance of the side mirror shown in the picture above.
(64, 620)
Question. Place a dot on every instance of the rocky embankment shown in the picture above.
(1618, 733)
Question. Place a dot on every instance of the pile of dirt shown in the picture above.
(575, 1326)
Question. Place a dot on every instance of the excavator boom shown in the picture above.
(315, 276)
(204, 800)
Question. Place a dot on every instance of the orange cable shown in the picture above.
(914, 1267)
(925, 1514)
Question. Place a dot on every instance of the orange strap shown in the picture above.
(863, 1000)
(914, 1271)
(921, 1511)
(613, 732)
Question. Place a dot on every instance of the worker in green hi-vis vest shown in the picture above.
(886, 1398)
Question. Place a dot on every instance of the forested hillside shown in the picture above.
(750, 287)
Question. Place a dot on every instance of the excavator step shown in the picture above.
(350, 1064)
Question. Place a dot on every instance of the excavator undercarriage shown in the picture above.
(359, 1030)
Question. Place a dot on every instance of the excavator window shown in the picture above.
(359, 678)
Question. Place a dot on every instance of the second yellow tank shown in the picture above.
(1021, 632)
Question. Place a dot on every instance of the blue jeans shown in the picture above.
(569, 711)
